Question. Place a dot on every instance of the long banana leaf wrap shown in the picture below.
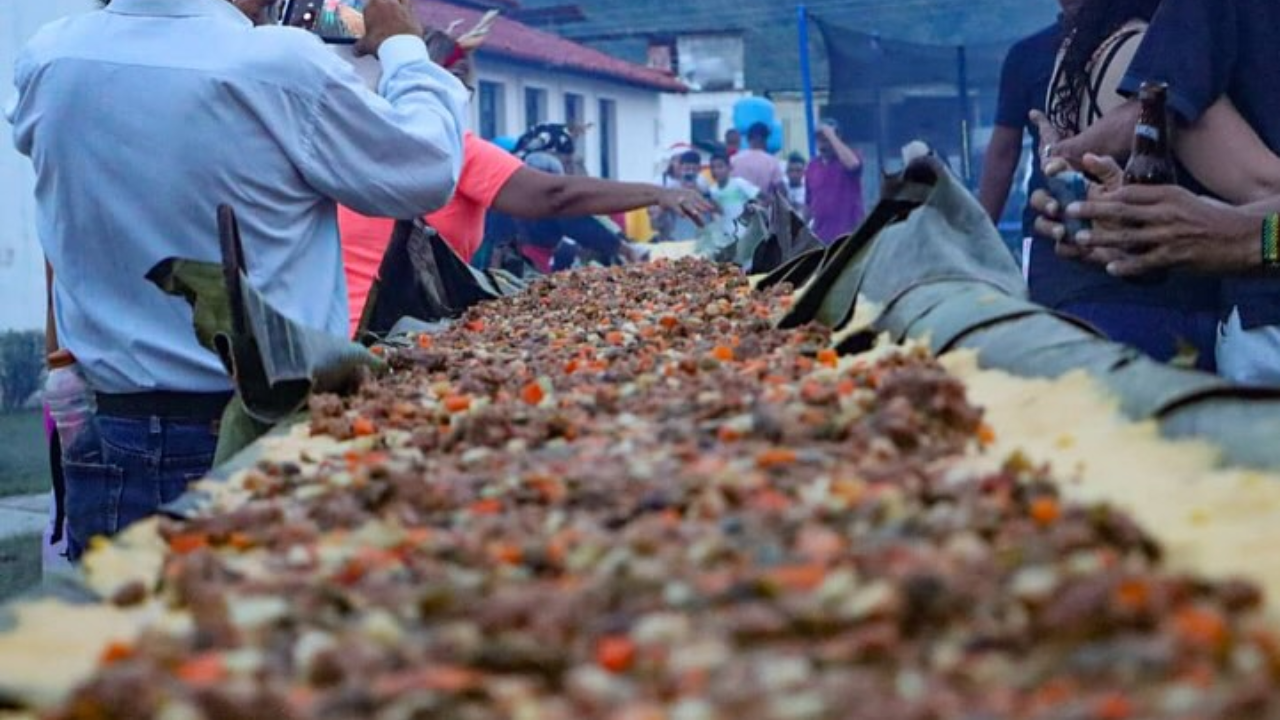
(928, 265)
(423, 279)
(275, 363)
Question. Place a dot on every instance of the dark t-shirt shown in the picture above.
(1024, 84)
(1060, 284)
(1205, 49)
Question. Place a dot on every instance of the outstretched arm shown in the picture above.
(533, 194)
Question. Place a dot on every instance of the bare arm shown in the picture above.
(534, 195)
(1112, 136)
(998, 169)
(1222, 151)
(847, 156)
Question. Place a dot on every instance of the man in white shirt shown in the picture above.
(140, 120)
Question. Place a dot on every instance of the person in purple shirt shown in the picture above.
(834, 182)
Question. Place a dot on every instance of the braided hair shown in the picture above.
(1087, 32)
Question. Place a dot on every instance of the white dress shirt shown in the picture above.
(142, 118)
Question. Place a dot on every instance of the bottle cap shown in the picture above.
(61, 359)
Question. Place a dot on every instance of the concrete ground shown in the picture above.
(25, 555)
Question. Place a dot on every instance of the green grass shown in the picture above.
(24, 456)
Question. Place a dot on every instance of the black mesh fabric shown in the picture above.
(886, 93)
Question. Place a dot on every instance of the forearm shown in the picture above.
(997, 176)
(397, 157)
(847, 156)
(1224, 154)
(577, 196)
(1112, 136)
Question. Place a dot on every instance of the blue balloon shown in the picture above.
(752, 110)
(506, 142)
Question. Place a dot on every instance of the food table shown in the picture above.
(627, 494)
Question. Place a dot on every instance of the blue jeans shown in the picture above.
(140, 464)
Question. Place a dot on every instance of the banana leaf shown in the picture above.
(941, 274)
(274, 362)
(421, 277)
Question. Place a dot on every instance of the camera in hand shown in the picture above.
(335, 21)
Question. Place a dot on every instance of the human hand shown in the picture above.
(1050, 213)
(1143, 229)
(385, 19)
(688, 203)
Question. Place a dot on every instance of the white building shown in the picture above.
(527, 76)
(21, 262)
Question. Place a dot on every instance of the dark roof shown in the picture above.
(513, 41)
(769, 27)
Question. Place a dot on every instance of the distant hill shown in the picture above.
(623, 27)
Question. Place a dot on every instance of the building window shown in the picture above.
(705, 128)
(662, 57)
(535, 106)
(608, 138)
(574, 109)
(492, 110)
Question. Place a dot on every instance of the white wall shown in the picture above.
(643, 128)
(21, 261)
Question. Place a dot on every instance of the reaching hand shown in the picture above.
(689, 203)
(1141, 229)
(385, 19)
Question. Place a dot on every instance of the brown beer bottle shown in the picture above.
(1151, 162)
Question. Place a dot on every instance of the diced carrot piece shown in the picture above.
(846, 387)
(828, 357)
(378, 350)
(425, 340)
(1114, 707)
(241, 541)
(476, 326)
(1133, 595)
(533, 394)
(668, 321)
(506, 553)
(1201, 627)
(798, 577)
(187, 543)
(616, 653)
(728, 434)
(488, 506)
(570, 367)
(776, 457)
(986, 435)
(1045, 510)
(351, 573)
(723, 353)
(203, 670)
(363, 427)
(457, 403)
(116, 652)
(615, 338)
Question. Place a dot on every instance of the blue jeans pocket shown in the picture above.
(93, 503)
